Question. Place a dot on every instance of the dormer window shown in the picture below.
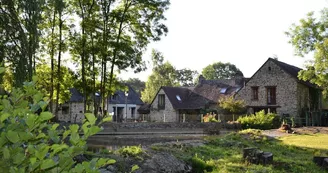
(223, 90)
(114, 97)
(178, 98)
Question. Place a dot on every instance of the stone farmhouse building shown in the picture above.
(72, 111)
(275, 87)
(124, 107)
(180, 104)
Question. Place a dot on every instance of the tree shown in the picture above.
(139, 22)
(310, 36)
(164, 74)
(220, 70)
(136, 84)
(19, 21)
(232, 105)
(186, 77)
(43, 72)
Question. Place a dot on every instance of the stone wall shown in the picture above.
(171, 125)
(170, 114)
(286, 89)
(76, 111)
(71, 112)
(127, 108)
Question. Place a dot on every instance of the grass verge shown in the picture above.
(224, 154)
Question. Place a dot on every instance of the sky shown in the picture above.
(243, 32)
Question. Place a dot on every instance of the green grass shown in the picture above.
(224, 154)
(317, 141)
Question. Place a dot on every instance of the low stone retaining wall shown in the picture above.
(150, 127)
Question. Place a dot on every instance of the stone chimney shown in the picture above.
(201, 79)
(239, 78)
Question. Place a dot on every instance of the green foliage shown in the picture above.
(186, 77)
(232, 105)
(199, 165)
(259, 120)
(43, 73)
(31, 144)
(210, 118)
(163, 74)
(132, 151)
(134, 168)
(310, 36)
(136, 84)
(221, 70)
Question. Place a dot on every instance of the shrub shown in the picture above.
(29, 143)
(210, 118)
(259, 120)
(133, 151)
(199, 165)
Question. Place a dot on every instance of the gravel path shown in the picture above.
(275, 133)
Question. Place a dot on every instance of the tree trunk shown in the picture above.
(52, 52)
(127, 5)
(95, 110)
(59, 59)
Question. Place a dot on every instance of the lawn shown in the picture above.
(292, 153)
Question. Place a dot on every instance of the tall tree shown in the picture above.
(60, 8)
(220, 70)
(136, 84)
(310, 36)
(68, 79)
(19, 28)
(186, 77)
(164, 74)
(139, 22)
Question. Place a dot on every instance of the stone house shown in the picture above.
(275, 87)
(72, 111)
(124, 105)
(180, 104)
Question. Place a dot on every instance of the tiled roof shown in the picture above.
(144, 109)
(207, 92)
(120, 98)
(293, 71)
(76, 96)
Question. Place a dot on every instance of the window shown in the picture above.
(133, 110)
(223, 90)
(65, 110)
(114, 97)
(269, 68)
(271, 95)
(161, 101)
(178, 97)
(255, 93)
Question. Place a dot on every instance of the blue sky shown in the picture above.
(242, 32)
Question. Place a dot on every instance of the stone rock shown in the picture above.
(266, 158)
(321, 161)
(164, 163)
(325, 163)
(256, 156)
(104, 171)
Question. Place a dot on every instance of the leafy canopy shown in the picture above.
(29, 143)
(310, 36)
(220, 70)
(163, 74)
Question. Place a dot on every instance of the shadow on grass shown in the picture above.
(225, 153)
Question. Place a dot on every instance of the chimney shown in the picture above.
(201, 79)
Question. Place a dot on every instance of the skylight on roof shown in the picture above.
(223, 90)
(178, 97)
